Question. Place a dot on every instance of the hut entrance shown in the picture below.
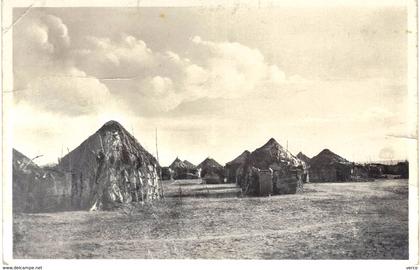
(265, 183)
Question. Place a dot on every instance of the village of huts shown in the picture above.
(111, 168)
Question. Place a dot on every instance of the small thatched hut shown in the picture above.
(400, 169)
(183, 169)
(360, 172)
(231, 168)
(193, 171)
(306, 165)
(375, 170)
(382, 170)
(211, 171)
(330, 167)
(37, 189)
(167, 173)
(303, 157)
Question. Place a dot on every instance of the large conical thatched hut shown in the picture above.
(231, 168)
(110, 168)
(270, 169)
(330, 167)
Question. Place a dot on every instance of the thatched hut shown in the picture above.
(231, 168)
(178, 168)
(110, 168)
(330, 167)
(167, 173)
(37, 189)
(183, 169)
(306, 165)
(270, 169)
(375, 170)
(211, 171)
(382, 170)
(189, 165)
(303, 157)
(193, 171)
(399, 170)
(360, 172)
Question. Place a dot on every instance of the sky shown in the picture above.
(213, 81)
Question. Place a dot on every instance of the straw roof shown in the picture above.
(239, 159)
(209, 163)
(327, 157)
(273, 152)
(303, 157)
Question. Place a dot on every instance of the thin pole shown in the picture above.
(157, 158)
(157, 153)
(70, 168)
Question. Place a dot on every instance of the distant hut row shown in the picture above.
(209, 169)
(330, 167)
(272, 169)
(253, 171)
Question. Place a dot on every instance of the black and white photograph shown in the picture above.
(241, 130)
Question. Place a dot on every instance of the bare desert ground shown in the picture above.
(365, 220)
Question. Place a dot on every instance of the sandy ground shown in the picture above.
(367, 220)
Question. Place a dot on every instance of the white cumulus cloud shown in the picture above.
(66, 94)
(103, 57)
